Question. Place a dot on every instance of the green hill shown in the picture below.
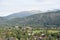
(45, 19)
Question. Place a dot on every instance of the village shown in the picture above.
(28, 33)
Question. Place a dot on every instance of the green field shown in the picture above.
(49, 31)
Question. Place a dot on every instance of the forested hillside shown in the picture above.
(51, 18)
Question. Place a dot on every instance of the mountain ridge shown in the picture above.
(22, 14)
(37, 20)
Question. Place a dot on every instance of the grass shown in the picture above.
(49, 31)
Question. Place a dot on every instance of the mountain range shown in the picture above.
(32, 18)
(22, 14)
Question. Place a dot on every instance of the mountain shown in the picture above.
(22, 14)
(51, 18)
(41, 19)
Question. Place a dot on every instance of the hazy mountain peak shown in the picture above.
(46, 18)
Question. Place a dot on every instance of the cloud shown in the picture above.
(11, 6)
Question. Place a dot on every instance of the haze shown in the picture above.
(8, 7)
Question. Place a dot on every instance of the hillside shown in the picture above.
(22, 14)
(46, 19)
(41, 19)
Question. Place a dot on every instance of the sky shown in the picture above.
(8, 7)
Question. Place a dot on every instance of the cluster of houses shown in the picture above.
(43, 36)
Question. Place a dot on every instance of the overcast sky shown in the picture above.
(11, 6)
